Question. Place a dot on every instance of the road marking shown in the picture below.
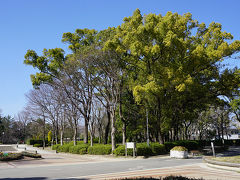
(191, 171)
(136, 168)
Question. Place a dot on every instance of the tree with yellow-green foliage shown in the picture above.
(172, 58)
(170, 64)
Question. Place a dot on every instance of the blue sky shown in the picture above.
(39, 24)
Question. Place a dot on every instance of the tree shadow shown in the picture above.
(40, 178)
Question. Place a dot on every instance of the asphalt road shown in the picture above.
(74, 171)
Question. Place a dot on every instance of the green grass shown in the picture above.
(232, 159)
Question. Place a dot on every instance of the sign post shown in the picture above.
(130, 145)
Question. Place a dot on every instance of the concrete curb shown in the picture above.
(222, 165)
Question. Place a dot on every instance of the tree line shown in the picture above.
(164, 69)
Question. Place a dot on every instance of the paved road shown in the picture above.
(68, 166)
(60, 171)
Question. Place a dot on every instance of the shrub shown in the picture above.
(83, 150)
(34, 141)
(55, 147)
(10, 156)
(157, 148)
(163, 178)
(189, 144)
(100, 149)
(143, 149)
(120, 151)
(169, 145)
(64, 148)
(179, 148)
(32, 155)
(37, 145)
(79, 149)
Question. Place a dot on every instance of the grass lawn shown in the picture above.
(232, 159)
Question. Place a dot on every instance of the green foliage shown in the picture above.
(32, 155)
(170, 145)
(79, 149)
(50, 136)
(56, 147)
(164, 178)
(48, 64)
(179, 148)
(120, 151)
(169, 64)
(189, 144)
(38, 141)
(64, 148)
(157, 148)
(100, 149)
(143, 149)
(37, 145)
(10, 156)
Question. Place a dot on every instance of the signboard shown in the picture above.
(130, 145)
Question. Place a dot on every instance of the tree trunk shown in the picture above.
(113, 131)
(121, 114)
(61, 137)
(124, 133)
(91, 139)
(99, 135)
(74, 135)
(107, 126)
(86, 131)
(44, 129)
(159, 116)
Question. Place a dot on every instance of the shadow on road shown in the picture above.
(39, 178)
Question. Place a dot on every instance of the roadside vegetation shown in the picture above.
(162, 178)
(142, 149)
(154, 78)
(17, 156)
(232, 159)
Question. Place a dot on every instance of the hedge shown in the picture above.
(32, 155)
(157, 148)
(100, 149)
(120, 151)
(37, 145)
(64, 147)
(55, 147)
(10, 156)
(142, 149)
(34, 141)
(79, 149)
(189, 144)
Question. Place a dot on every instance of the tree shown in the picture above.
(170, 55)
(168, 66)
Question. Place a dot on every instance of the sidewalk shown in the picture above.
(50, 158)
(232, 151)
